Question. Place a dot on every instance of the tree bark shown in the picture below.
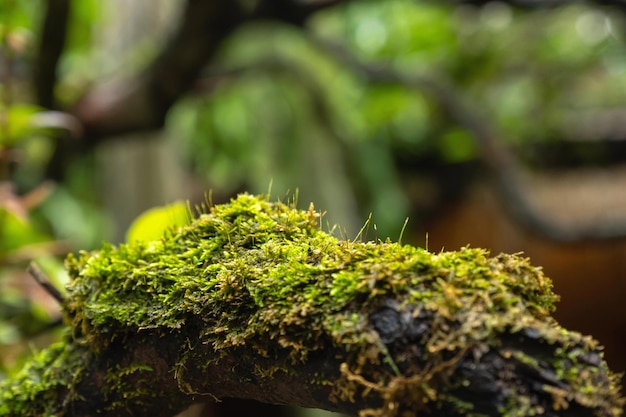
(52, 44)
(253, 300)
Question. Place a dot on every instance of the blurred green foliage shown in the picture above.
(288, 112)
(282, 110)
(36, 219)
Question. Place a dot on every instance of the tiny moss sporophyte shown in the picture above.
(410, 327)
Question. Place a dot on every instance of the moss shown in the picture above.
(34, 390)
(251, 254)
(264, 277)
(128, 385)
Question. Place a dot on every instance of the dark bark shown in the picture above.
(110, 386)
(295, 12)
(51, 46)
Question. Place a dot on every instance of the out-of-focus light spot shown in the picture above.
(19, 40)
(615, 64)
(466, 19)
(496, 15)
(371, 35)
(593, 27)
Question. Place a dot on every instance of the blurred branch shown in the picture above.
(52, 43)
(544, 4)
(295, 12)
(40, 277)
(504, 169)
(141, 103)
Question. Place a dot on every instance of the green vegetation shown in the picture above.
(31, 392)
(264, 279)
(280, 102)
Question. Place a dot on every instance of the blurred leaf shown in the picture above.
(153, 223)
(19, 118)
(19, 14)
(74, 218)
(17, 232)
(8, 333)
(457, 145)
(80, 64)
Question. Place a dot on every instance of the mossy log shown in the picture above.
(254, 300)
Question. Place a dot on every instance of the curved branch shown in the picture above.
(294, 12)
(504, 169)
(142, 103)
(547, 4)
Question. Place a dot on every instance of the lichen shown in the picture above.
(264, 277)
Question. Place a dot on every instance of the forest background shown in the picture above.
(493, 124)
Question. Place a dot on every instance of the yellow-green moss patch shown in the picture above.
(408, 325)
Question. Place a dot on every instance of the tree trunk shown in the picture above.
(253, 300)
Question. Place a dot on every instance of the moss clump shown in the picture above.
(409, 326)
(34, 390)
(254, 269)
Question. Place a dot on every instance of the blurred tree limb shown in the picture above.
(51, 46)
(141, 103)
(504, 169)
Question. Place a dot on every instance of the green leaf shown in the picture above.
(153, 223)
(16, 232)
(457, 145)
(19, 121)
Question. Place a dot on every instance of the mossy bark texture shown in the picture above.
(254, 300)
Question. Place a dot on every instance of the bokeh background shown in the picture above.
(493, 124)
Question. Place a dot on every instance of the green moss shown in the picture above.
(264, 277)
(129, 385)
(34, 390)
(251, 254)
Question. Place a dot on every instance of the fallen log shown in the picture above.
(254, 300)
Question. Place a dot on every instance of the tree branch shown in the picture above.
(294, 12)
(254, 301)
(38, 275)
(130, 105)
(505, 171)
(141, 103)
(52, 43)
(549, 4)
